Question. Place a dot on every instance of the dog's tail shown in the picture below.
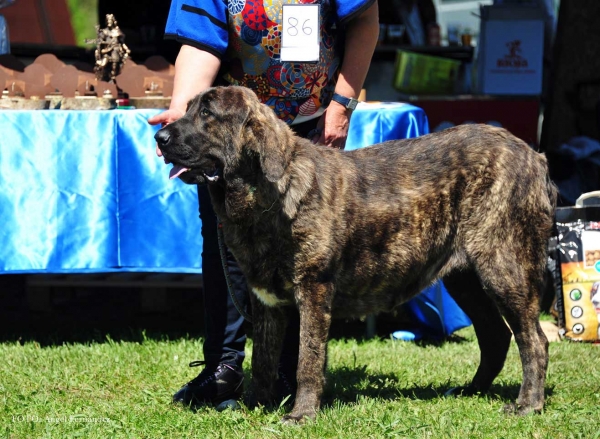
(552, 191)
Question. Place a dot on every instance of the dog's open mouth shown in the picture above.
(176, 171)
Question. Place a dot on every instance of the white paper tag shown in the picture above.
(300, 33)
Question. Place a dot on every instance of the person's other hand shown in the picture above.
(333, 126)
(165, 118)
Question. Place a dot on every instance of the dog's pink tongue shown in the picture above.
(176, 171)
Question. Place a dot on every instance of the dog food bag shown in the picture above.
(578, 254)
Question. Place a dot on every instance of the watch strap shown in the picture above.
(349, 103)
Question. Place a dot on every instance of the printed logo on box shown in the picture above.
(513, 58)
(513, 61)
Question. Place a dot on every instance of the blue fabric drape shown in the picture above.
(83, 191)
(159, 222)
(378, 122)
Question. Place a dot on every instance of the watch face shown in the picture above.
(349, 103)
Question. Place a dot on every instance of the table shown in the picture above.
(83, 192)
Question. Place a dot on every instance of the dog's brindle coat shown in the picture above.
(346, 234)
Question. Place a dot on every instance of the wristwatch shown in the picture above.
(349, 103)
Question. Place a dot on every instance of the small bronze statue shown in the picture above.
(111, 50)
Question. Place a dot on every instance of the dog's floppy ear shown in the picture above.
(269, 137)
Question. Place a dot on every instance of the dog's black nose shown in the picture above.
(162, 137)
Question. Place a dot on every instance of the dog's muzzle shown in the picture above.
(163, 138)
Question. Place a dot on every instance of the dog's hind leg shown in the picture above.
(516, 287)
(533, 349)
(492, 333)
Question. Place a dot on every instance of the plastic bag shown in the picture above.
(578, 248)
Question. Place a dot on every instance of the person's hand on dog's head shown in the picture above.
(166, 117)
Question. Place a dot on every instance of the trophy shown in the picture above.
(111, 50)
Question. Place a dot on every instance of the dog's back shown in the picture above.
(407, 212)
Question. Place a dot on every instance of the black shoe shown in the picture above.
(215, 385)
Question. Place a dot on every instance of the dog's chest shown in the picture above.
(265, 261)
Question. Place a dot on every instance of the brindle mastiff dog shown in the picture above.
(346, 234)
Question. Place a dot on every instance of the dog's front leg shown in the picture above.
(314, 305)
(268, 326)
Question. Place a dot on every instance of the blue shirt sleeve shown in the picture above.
(348, 9)
(199, 23)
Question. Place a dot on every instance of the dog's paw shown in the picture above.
(519, 410)
(251, 401)
(259, 398)
(297, 419)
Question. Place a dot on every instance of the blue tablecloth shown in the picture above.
(83, 191)
(374, 123)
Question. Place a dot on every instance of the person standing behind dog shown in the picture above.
(239, 42)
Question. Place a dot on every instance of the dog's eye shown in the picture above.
(205, 112)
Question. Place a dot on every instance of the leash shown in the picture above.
(223, 253)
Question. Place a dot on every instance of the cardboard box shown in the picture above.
(416, 73)
(511, 49)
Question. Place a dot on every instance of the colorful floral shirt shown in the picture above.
(246, 36)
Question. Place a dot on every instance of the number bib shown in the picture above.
(300, 33)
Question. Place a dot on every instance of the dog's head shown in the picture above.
(222, 126)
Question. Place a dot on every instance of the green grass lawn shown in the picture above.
(375, 389)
